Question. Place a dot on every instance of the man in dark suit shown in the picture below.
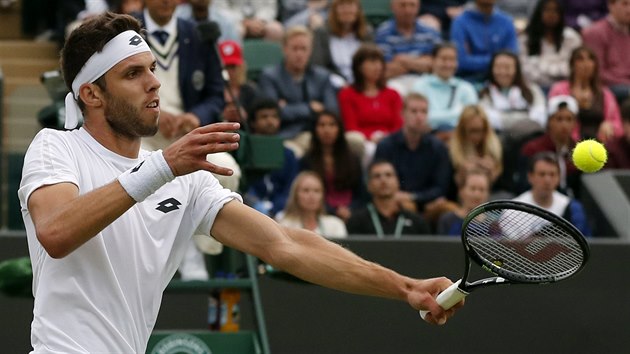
(191, 94)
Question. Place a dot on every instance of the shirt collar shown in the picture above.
(616, 25)
(151, 26)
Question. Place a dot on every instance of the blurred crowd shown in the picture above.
(395, 125)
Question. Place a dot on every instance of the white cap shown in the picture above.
(562, 101)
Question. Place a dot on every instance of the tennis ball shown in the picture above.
(589, 155)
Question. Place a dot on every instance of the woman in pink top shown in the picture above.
(599, 115)
(368, 106)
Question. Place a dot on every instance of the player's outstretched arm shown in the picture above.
(317, 260)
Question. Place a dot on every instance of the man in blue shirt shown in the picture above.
(421, 160)
(479, 32)
(407, 44)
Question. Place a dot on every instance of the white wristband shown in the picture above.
(147, 177)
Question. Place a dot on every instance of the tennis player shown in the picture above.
(108, 223)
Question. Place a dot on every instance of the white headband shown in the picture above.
(121, 47)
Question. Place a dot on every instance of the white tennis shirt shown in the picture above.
(105, 296)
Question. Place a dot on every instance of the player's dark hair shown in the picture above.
(545, 156)
(90, 38)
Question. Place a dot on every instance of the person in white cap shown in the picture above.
(108, 223)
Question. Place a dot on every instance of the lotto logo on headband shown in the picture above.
(135, 40)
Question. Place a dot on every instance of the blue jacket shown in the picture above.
(275, 185)
(200, 82)
(478, 37)
(276, 83)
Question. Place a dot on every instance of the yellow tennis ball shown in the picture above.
(589, 155)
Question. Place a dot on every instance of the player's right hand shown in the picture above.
(188, 154)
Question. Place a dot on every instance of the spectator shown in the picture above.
(595, 101)
(335, 44)
(238, 87)
(442, 11)
(513, 105)
(268, 193)
(385, 216)
(479, 32)
(447, 94)
(474, 190)
(203, 10)
(288, 8)
(421, 160)
(305, 208)
(257, 19)
(557, 139)
(579, 14)
(546, 45)
(610, 40)
(331, 158)
(129, 7)
(475, 146)
(619, 147)
(544, 177)
(368, 107)
(302, 90)
(406, 43)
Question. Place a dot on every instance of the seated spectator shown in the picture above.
(557, 140)
(385, 216)
(475, 146)
(313, 16)
(305, 208)
(447, 94)
(331, 158)
(302, 90)
(544, 177)
(610, 40)
(420, 159)
(580, 14)
(268, 193)
(128, 7)
(619, 147)
(288, 8)
(406, 43)
(203, 10)
(442, 11)
(479, 32)
(335, 43)
(257, 19)
(368, 107)
(473, 190)
(238, 87)
(594, 100)
(513, 105)
(546, 45)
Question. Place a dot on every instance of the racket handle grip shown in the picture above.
(448, 298)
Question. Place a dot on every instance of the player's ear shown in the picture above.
(91, 95)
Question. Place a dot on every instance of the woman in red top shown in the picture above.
(367, 105)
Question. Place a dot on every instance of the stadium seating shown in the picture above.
(376, 11)
(259, 54)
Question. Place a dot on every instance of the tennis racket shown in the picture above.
(520, 244)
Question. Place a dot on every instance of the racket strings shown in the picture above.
(524, 246)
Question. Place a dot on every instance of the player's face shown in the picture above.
(504, 70)
(415, 114)
(544, 179)
(327, 130)
(475, 191)
(131, 101)
(383, 181)
(267, 121)
(297, 52)
(310, 194)
(445, 63)
(161, 11)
